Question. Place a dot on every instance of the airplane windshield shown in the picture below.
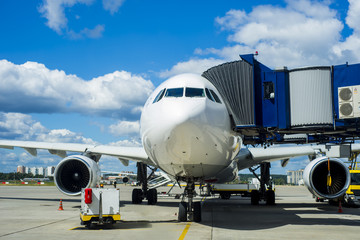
(159, 96)
(208, 94)
(194, 92)
(217, 99)
(174, 92)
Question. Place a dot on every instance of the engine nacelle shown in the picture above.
(316, 174)
(76, 172)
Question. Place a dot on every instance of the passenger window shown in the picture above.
(159, 96)
(217, 99)
(194, 92)
(174, 92)
(208, 94)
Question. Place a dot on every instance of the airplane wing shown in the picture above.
(280, 153)
(123, 153)
(252, 156)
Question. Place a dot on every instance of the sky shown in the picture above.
(81, 70)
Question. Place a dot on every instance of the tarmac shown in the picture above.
(31, 212)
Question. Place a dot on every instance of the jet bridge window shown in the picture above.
(174, 92)
(217, 99)
(194, 92)
(159, 96)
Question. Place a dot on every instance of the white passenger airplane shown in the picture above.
(186, 132)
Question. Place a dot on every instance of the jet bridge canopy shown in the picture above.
(235, 82)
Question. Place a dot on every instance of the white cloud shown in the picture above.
(302, 33)
(232, 20)
(349, 49)
(88, 33)
(112, 5)
(23, 127)
(192, 66)
(127, 143)
(54, 12)
(63, 135)
(353, 15)
(125, 128)
(31, 87)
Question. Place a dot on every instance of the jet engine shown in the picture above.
(76, 172)
(327, 178)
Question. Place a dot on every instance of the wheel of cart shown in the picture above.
(225, 195)
(255, 197)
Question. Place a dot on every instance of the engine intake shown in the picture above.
(76, 172)
(316, 178)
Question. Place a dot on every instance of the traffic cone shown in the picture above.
(61, 206)
(340, 207)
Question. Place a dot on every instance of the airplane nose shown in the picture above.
(183, 113)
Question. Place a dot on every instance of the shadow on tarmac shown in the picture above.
(125, 225)
(217, 213)
(42, 199)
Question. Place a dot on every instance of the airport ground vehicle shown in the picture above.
(352, 196)
(99, 206)
(226, 190)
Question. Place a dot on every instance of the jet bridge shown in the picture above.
(318, 104)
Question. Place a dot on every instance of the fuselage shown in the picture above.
(186, 130)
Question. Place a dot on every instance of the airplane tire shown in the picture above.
(255, 197)
(152, 196)
(270, 197)
(182, 212)
(225, 195)
(197, 212)
(136, 196)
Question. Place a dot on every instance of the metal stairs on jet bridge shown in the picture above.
(160, 180)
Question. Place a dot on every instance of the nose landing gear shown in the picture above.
(189, 210)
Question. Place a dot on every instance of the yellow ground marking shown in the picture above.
(183, 234)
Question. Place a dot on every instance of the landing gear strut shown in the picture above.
(266, 191)
(144, 193)
(189, 210)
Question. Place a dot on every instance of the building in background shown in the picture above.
(33, 171)
(295, 177)
(47, 171)
(20, 169)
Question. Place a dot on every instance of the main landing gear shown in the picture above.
(144, 193)
(266, 191)
(189, 210)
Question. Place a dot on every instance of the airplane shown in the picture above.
(186, 132)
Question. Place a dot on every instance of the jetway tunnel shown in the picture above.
(304, 105)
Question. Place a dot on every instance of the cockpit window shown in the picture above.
(217, 99)
(159, 96)
(194, 92)
(208, 94)
(174, 92)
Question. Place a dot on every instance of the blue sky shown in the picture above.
(81, 70)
